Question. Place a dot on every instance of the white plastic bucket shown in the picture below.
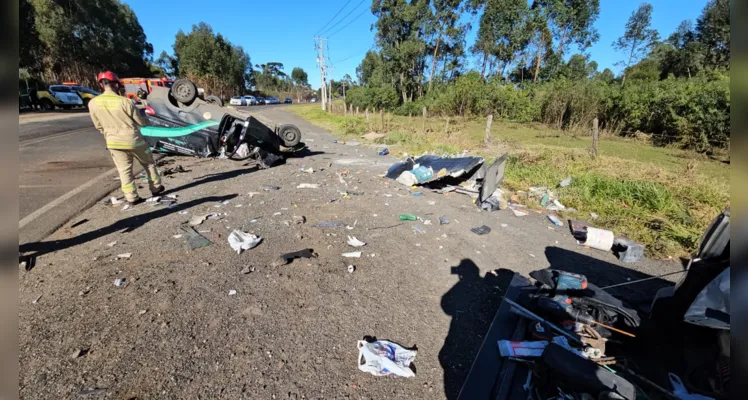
(600, 239)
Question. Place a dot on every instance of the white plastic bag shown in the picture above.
(239, 241)
(382, 358)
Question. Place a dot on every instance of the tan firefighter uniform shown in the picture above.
(118, 119)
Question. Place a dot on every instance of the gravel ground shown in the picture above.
(174, 331)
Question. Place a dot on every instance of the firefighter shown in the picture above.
(118, 119)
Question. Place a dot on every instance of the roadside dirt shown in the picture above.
(173, 331)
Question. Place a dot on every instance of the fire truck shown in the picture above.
(132, 85)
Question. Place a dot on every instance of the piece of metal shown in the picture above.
(644, 279)
(529, 314)
(527, 385)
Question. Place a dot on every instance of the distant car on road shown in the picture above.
(272, 100)
(261, 100)
(250, 100)
(288, 100)
(314, 100)
(237, 101)
(63, 96)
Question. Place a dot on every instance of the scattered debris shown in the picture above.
(299, 219)
(124, 255)
(519, 213)
(382, 357)
(79, 223)
(352, 241)
(419, 229)
(113, 201)
(126, 207)
(239, 241)
(421, 170)
(79, 353)
(232, 292)
(288, 257)
(198, 219)
(383, 152)
(628, 251)
(351, 268)
(427, 222)
(36, 300)
(194, 239)
(309, 170)
(443, 221)
(89, 391)
(566, 182)
(407, 217)
(247, 269)
(119, 282)
(268, 188)
(171, 171)
(328, 224)
(308, 186)
(555, 220)
(594, 215)
(111, 244)
(353, 254)
(481, 230)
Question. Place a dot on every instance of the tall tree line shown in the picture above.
(422, 42)
(72, 40)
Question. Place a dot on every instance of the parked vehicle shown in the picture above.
(250, 100)
(131, 85)
(272, 100)
(314, 100)
(63, 96)
(288, 100)
(261, 100)
(238, 101)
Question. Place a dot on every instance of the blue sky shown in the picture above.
(283, 31)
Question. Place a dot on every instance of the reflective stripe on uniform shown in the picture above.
(124, 146)
(109, 102)
(128, 188)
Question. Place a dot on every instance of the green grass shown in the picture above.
(661, 197)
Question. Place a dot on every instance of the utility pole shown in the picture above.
(318, 44)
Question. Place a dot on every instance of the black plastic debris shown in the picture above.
(288, 257)
(492, 178)
(270, 187)
(481, 230)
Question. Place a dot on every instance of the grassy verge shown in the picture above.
(661, 197)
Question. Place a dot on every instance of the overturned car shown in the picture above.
(184, 124)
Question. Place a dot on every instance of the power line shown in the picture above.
(333, 17)
(345, 16)
(346, 25)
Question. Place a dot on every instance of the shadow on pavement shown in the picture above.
(603, 274)
(472, 303)
(30, 251)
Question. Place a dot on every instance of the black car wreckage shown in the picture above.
(182, 123)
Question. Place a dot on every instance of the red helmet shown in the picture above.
(108, 75)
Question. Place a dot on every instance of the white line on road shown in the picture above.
(36, 214)
(50, 137)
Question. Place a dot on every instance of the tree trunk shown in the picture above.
(537, 65)
(483, 69)
(403, 92)
(433, 60)
(593, 150)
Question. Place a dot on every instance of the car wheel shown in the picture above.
(184, 91)
(214, 100)
(290, 135)
(47, 104)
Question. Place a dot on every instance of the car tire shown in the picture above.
(290, 135)
(184, 91)
(214, 100)
(47, 104)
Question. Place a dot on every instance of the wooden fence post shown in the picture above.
(356, 110)
(488, 130)
(345, 109)
(381, 118)
(446, 127)
(593, 150)
(423, 127)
